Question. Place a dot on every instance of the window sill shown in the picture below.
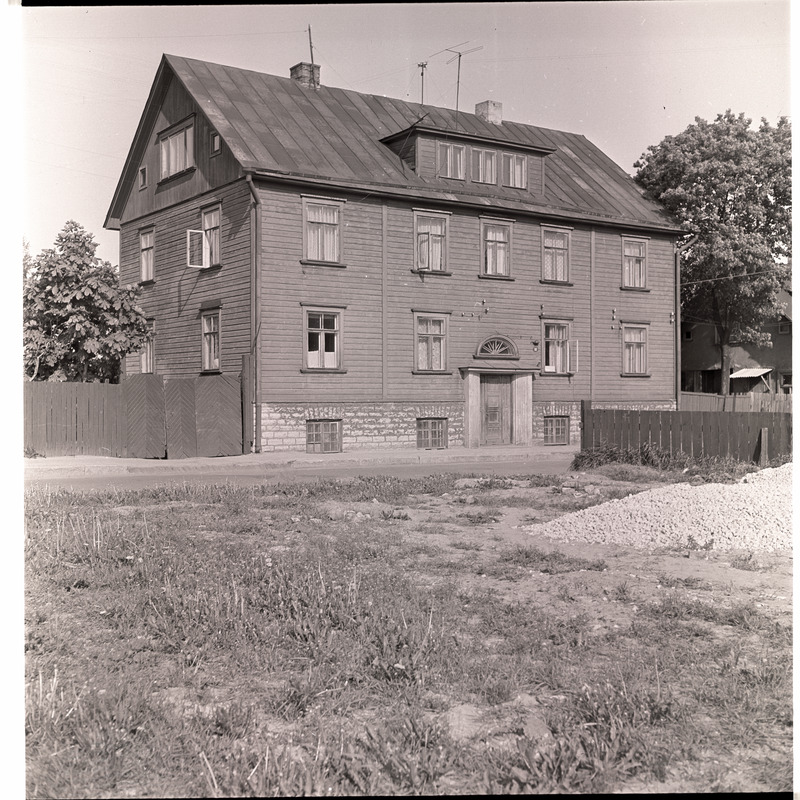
(210, 372)
(174, 175)
(322, 371)
(634, 374)
(430, 272)
(495, 277)
(544, 374)
(431, 372)
(148, 282)
(548, 282)
(634, 289)
(309, 262)
(554, 444)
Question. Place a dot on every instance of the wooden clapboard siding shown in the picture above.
(613, 305)
(287, 284)
(173, 300)
(210, 171)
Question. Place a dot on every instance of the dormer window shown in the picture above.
(451, 161)
(515, 173)
(215, 143)
(177, 150)
(484, 165)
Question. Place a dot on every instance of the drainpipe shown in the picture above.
(679, 249)
(255, 305)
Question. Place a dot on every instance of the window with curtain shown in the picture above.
(515, 171)
(484, 165)
(431, 243)
(431, 339)
(211, 250)
(211, 331)
(322, 232)
(634, 355)
(496, 249)
(146, 245)
(451, 161)
(323, 345)
(634, 264)
(177, 151)
(555, 262)
(556, 347)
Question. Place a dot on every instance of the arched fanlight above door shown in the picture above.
(497, 347)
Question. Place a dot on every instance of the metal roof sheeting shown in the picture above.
(750, 372)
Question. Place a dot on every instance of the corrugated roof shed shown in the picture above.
(275, 126)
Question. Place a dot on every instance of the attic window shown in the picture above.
(215, 143)
(177, 150)
(143, 177)
(497, 347)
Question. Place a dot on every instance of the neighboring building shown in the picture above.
(753, 369)
(401, 274)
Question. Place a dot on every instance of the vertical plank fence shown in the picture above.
(756, 436)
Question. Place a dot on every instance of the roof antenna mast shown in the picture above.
(458, 55)
(422, 65)
(311, 48)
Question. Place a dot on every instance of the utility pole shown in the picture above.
(422, 65)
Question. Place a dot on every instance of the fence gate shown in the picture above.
(144, 404)
(179, 399)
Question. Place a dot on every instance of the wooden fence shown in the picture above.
(743, 435)
(763, 401)
(142, 417)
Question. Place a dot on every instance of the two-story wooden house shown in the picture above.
(401, 274)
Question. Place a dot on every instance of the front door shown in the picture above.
(495, 409)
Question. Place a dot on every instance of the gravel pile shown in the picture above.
(753, 514)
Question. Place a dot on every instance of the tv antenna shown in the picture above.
(458, 54)
(422, 65)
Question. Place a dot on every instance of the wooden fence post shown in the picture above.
(247, 403)
(763, 458)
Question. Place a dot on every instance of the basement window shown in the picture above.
(324, 436)
(432, 433)
(556, 430)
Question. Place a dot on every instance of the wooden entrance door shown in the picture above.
(495, 409)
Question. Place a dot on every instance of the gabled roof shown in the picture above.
(277, 128)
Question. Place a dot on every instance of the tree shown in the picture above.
(730, 186)
(78, 321)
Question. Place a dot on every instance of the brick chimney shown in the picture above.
(490, 111)
(305, 74)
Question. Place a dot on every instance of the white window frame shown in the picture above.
(634, 274)
(560, 354)
(142, 177)
(632, 346)
(484, 166)
(318, 359)
(147, 254)
(215, 143)
(550, 272)
(515, 171)
(489, 262)
(204, 247)
(558, 424)
(176, 149)
(451, 159)
(211, 341)
(430, 338)
(314, 247)
(424, 245)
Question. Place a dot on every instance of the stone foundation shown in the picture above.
(553, 409)
(364, 425)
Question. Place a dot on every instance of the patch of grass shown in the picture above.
(468, 546)
(552, 562)
(480, 517)
(749, 562)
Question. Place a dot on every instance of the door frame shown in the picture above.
(521, 405)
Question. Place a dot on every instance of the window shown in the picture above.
(634, 350)
(146, 353)
(324, 436)
(431, 243)
(688, 335)
(786, 382)
(484, 166)
(210, 326)
(497, 347)
(431, 332)
(146, 245)
(634, 264)
(784, 327)
(496, 249)
(556, 430)
(555, 257)
(203, 247)
(177, 151)
(431, 434)
(515, 171)
(323, 339)
(142, 177)
(322, 242)
(215, 143)
(556, 347)
(451, 161)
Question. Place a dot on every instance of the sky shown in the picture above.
(624, 74)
